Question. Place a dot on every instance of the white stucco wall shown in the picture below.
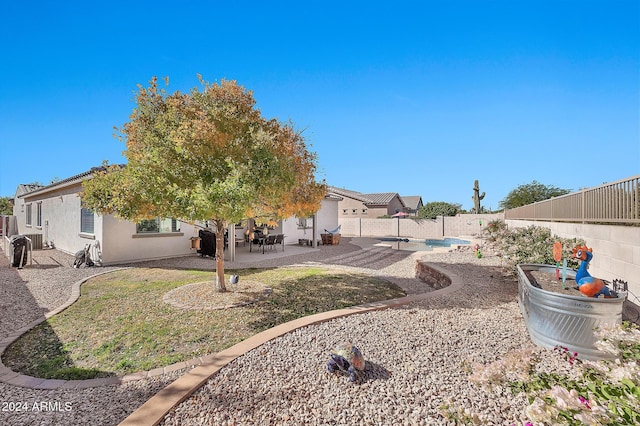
(121, 244)
(327, 218)
(616, 249)
(60, 218)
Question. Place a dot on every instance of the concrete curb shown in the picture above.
(153, 411)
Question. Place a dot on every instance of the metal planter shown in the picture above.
(558, 319)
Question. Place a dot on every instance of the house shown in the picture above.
(355, 204)
(53, 215)
(412, 204)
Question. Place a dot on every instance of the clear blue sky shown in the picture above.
(419, 98)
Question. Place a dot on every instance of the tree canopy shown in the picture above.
(434, 209)
(6, 205)
(207, 155)
(530, 193)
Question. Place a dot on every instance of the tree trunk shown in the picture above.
(220, 287)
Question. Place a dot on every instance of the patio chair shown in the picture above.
(270, 241)
(256, 240)
(280, 240)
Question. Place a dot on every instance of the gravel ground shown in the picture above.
(416, 355)
(418, 360)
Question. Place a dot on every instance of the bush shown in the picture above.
(532, 245)
(494, 229)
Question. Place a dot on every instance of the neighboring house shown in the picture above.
(412, 204)
(54, 215)
(356, 204)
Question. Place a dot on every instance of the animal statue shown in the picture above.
(347, 359)
(588, 285)
(83, 257)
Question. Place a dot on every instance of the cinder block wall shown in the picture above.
(454, 226)
(616, 249)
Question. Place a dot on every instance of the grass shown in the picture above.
(121, 325)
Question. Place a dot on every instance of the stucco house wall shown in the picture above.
(121, 243)
(61, 208)
(113, 240)
(327, 218)
(116, 241)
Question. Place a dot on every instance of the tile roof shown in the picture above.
(411, 201)
(377, 198)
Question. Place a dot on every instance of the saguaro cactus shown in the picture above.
(477, 197)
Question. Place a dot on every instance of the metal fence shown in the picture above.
(615, 202)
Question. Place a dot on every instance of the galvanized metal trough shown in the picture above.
(558, 319)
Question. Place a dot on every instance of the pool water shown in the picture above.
(421, 245)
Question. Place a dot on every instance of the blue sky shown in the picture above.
(419, 98)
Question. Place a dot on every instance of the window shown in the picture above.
(364, 211)
(157, 225)
(28, 215)
(86, 221)
(354, 211)
(303, 223)
(345, 211)
(39, 214)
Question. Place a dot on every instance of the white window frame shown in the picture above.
(27, 217)
(163, 226)
(39, 214)
(84, 221)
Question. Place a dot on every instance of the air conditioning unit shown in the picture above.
(36, 241)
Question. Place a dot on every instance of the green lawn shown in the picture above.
(121, 325)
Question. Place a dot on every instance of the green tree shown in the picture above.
(6, 205)
(530, 193)
(434, 209)
(207, 155)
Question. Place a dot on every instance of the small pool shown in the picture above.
(421, 245)
(446, 242)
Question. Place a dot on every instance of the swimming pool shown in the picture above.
(421, 245)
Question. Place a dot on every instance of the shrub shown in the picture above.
(533, 244)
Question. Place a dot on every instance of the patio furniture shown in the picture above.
(270, 242)
(280, 240)
(256, 240)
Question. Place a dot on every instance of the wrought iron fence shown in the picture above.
(615, 202)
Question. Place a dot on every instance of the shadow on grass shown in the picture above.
(48, 357)
(19, 309)
(309, 295)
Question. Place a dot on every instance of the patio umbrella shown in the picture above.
(399, 215)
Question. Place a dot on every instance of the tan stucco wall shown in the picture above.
(464, 224)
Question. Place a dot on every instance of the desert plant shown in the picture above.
(494, 228)
(533, 244)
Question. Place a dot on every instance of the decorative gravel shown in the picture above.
(418, 362)
(417, 356)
